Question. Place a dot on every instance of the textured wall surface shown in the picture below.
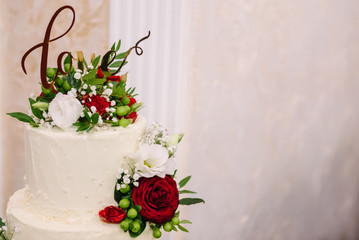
(23, 25)
(273, 119)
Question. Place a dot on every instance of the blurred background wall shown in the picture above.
(265, 91)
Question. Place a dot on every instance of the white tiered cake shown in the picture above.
(70, 177)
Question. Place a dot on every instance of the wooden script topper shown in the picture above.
(45, 50)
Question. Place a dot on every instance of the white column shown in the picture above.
(156, 74)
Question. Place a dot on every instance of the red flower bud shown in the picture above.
(112, 214)
(99, 73)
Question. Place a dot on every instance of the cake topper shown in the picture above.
(106, 61)
(45, 50)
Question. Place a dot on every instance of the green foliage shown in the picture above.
(96, 61)
(186, 191)
(23, 117)
(37, 112)
(190, 201)
(73, 82)
(182, 228)
(184, 181)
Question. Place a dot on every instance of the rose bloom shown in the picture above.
(112, 214)
(99, 102)
(132, 116)
(158, 198)
(65, 110)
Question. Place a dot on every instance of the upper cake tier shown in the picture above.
(73, 173)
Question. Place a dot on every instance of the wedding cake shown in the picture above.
(93, 170)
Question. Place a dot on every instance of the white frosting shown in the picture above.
(70, 177)
(70, 173)
(31, 226)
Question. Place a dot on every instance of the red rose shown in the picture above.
(112, 214)
(99, 102)
(113, 79)
(132, 101)
(99, 73)
(132, 116)
(158, 198)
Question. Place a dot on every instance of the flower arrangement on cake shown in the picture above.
(86, 97)
(147, 191)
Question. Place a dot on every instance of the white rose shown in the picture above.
(65, 110)
(152, 160)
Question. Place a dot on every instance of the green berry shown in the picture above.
(132, 213)
(66, 86)
(135, 226)
(123, 110)
(59, 82)
(125, 100)
(124, 203)
(45, 90)
(50, 72)
(157, 233)
(126, 189)
(167, 227)
(124, 122)
(175, 220)
(124, 225)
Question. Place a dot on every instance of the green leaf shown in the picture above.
(67, 59)
(118, 45)
(40, 105)
(117, 64)
(184, 181)
(73, 82)
(86, 64)
(113, 46)
(96, 61)
(37, 112)
(118, 91)
(94, 118)
(185, 191)
(121, 55)
(182, 228)
(138, 208)
(174, 174)
(190, 201)
(174, 228)
(22, 117)
(34, 124)
(186, 222)
(90, 75)
(82, 126)
(96, 81)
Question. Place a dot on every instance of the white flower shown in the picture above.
(153, 161)
(78, 70)
(65, 110)
(136, 184)
(126, 180)
(113, 103)
(77, 75)
(85, 86)
(107, 92)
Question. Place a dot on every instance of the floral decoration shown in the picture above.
(147, 191)
(88, 96)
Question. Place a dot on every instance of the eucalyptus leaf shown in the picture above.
(184, 181)
(190, 201)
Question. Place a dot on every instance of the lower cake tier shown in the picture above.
(26, 225)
